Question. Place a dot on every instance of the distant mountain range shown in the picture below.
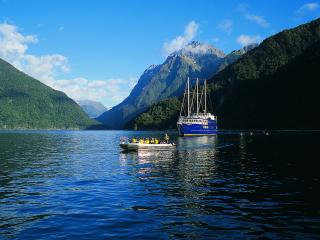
(168, 79)
(26, 103)
(92, 108)
(274, 86)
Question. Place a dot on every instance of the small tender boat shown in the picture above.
(146, 146)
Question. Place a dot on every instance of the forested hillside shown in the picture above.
(26, 103)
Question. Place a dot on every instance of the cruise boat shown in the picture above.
(194, 119)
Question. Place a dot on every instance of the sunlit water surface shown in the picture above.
(80, 185)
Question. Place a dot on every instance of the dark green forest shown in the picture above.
(162, 115)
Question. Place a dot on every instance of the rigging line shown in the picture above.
(192, 99)
(201, 99)
(184, 96)
(211, 105)
(197, 97)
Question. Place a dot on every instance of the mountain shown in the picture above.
(92, 108)
(168, 79)
(273, 86)
(235, 55)
(160, 116)
(26, 103)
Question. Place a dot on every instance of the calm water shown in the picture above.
(79, 185)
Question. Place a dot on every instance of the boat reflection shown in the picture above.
(201, 146)
(145, 156)
(197, 143)
(196, 159)
(191, 163)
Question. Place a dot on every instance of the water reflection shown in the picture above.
(79, 185)
(146, 156)
(184, 171)
(196, 158)
(197, 143)
(192, 154)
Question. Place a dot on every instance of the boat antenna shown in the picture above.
(197, 84)
(188, 89)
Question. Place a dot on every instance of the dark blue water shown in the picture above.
(79, 185)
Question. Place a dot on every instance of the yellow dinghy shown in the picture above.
(135, 146)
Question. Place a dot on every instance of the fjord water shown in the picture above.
(80, 185)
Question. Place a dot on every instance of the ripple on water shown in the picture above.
(79, 185)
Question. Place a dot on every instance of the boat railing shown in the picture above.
(196, 117)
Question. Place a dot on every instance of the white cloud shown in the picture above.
(196, 48)
(13, 44)
(179, 42)
(114, 90)
(13, 48)
(61, 28)
(260, 20)
(44, 67)
(226, 26)
(216, 39)
(39, 25)
(245, 40)
(307, 8)
(242, 7)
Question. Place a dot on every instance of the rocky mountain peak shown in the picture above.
(196, 49)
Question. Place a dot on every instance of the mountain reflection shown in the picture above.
(62, 181)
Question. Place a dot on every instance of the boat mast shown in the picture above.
(188, 98)
(197, 84)
(205, 96)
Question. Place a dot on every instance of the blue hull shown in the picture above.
(198, 129)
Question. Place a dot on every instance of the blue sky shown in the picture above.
(98, 49)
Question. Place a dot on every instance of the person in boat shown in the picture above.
(166, 138)
(147, 141)
(152, 141)
(141, 140)
(156, 141)
(133, 140)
